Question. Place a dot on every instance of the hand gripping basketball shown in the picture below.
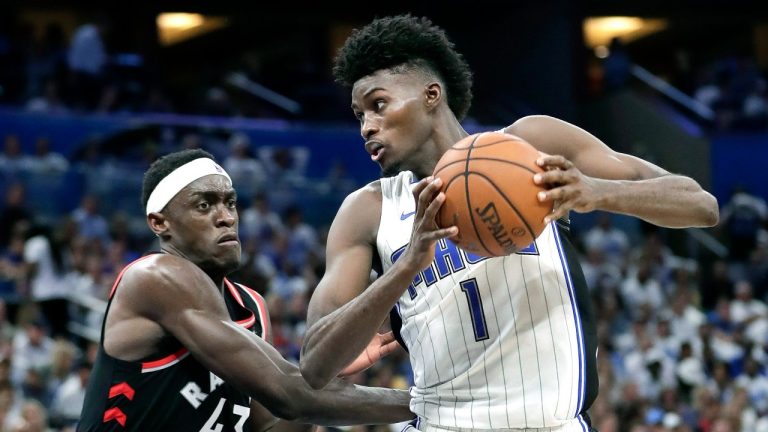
(490, 194)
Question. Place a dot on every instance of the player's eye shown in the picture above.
(232, 203)
(359, 116)
(379, 104)
(203, 205)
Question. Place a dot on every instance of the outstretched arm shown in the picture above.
(187, 305)
(380, 346)
(343, 314)
(584, 175)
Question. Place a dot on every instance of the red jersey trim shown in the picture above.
(263, 314)
(120, 275)
(248, 322)
(165, 362)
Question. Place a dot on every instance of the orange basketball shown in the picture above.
(490, 193)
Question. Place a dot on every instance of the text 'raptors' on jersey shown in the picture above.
(171, 392)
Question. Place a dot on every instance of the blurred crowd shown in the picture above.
(58, 73)
(736, 91)
(683, 341)
(54, 72)
(733, 88)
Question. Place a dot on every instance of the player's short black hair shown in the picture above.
(164, 166)
(406, 40)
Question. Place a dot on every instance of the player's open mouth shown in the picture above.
(228, 240)
(375, 149)
(376, 155)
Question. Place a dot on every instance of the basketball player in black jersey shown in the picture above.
(410, 89)
(183, 348)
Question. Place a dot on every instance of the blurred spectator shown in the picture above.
(14, 210)
(45, 161)
(247, 174)
(735, 90)
(742, 217)
(257, 268)
(284, 164)
(641, 289)
(158, 102)
(12, 160)
(191, 141)
(755, 106)
(755, 383)
(87, 62)
(649, 368)
(720, 384)
(44, 259)
(303, 245)
(33, 418)
(338, 178)
(720, 317)
(713, 88)
(259, 220)
(91, 225)
(7, 332)
(749, 313)
(616, 66)
(62, 360)
(685, 317)
(288, 282)
(218, 103)
(48, 100)
(603, 276)
(47, 60)
(611, 241)
(13, 270)
(32, 349)
(715, 285)
(67, 402)
(666, 341)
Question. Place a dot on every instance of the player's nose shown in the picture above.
(225, 216)
(369, 128)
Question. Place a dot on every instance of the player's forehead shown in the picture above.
(387, 80)
(210, 184)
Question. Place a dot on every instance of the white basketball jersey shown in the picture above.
(493, 342)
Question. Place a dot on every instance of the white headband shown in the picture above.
(179, 178)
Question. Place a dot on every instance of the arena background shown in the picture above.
(683, 321)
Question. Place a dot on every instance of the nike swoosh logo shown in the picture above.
(404, 216)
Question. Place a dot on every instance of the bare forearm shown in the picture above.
(341, 403)
(669, 201)
(338, 338)
(241, 358)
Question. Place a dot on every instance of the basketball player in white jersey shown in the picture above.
(496, 343)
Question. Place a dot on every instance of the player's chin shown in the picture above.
(231, 265)
(390, 169)
(229, 259)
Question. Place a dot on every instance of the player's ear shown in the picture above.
(158, 223)
(433, 94)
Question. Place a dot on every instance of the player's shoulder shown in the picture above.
(537, 126)
(160, 270)
(369, 194)
(359, 214)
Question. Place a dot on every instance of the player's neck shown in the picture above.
(216, 275)
(448, 132)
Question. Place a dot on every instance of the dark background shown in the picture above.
(527, 56)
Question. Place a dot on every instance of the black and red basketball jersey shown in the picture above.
(171, 391)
